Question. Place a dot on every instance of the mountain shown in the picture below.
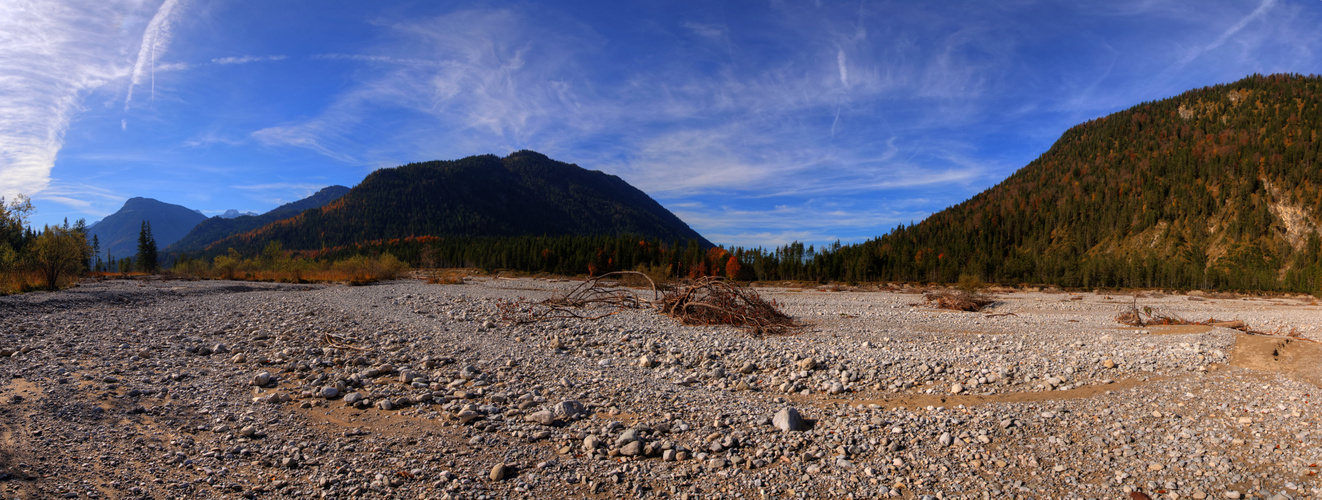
(232, 213)
(118, 232)
(222, 226)
(1219, 187)
(525, 193)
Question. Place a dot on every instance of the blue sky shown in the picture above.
(758, 123)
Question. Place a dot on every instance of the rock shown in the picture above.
(956, 389)
(668, 455)
(238, 358)
(591, 443)
(788, 420)
(633, 449)
(248, 431)
(646, 362)
(946, 439)
(747, 368)
(1108, 364)
(499, 472)
(328, 392)
(568, 409)
(1233, 494)
(807, 363)
(352, 398)
(261, 379)
(544, 417)
(466, 416)
(628, 436)
(836, 388)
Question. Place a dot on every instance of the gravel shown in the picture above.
(168, 389)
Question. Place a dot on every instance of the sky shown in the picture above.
(758, 123)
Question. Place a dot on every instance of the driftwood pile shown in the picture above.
(707, 301)
(961, 300)
(715, 301)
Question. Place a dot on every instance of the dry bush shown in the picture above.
(715, 301)
(961, 300)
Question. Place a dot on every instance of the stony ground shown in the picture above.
(209, 389)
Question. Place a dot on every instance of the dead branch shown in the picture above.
(338, 342)
(1149, 316)
(958, 301)
(593, 299)
(708, 301)
(715, 301)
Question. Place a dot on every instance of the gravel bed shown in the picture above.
(216, 389)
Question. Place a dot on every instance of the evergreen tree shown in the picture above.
(96, 253)
(146, 249)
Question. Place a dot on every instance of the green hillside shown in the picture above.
(523, 194)
(217, 228)
(1219, 187)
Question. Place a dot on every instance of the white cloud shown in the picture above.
(247, 59)
(52, 55)
(155, 41)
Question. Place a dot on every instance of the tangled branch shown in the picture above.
(958, 301)
(715, 301)
(709, 301)
(337, 342)
(593, 299)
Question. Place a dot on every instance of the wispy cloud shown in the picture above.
(1226, 35)
(155, 41)
(278, 193)
(247, 59)
(52, 55)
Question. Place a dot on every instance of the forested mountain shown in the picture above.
(216, 228)
(1219, 187)
(118, 232)
(523, 194)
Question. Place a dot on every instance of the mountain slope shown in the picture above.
(1216, 187)
(118, 232)
(525, 193)
(216, 228)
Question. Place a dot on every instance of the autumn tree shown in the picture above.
(57, 253)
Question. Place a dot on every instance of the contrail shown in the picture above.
(156, 36)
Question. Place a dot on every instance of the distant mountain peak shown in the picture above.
(118, 232)
(234, 222)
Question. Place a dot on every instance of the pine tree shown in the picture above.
(96, 253)
(146, 249)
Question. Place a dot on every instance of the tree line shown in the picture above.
(54, 256)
